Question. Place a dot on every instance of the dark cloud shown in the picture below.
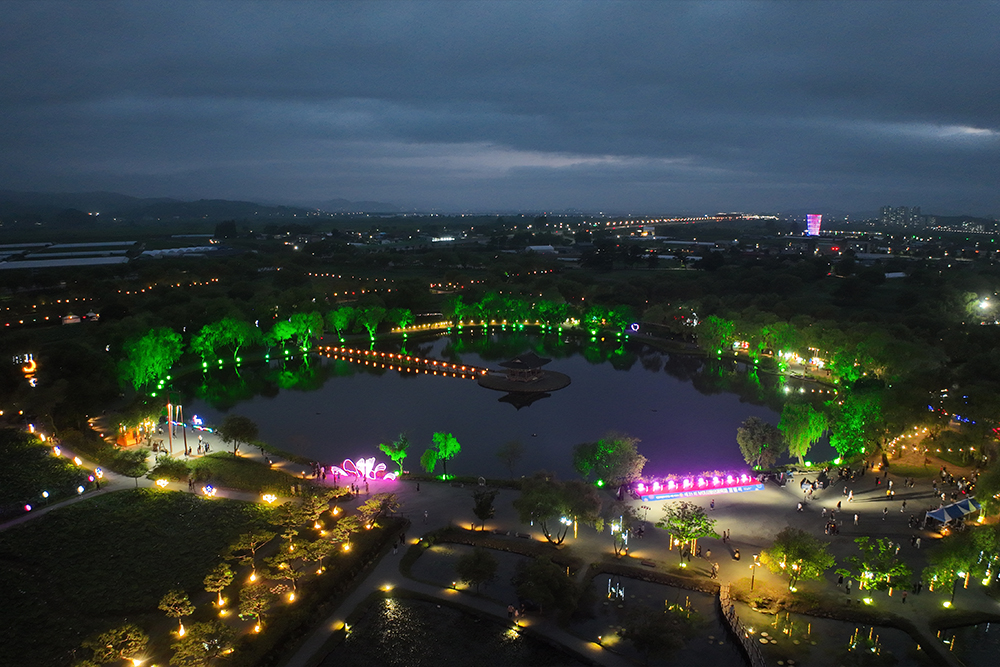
(653, 106)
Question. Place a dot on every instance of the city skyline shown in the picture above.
(626, 107)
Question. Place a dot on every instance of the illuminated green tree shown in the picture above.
(370, 317)
(798, 555)
(396, 450)
(176, 604)
(149, 357)
(802, 426)
(477, 567)
(238, 430)
(686, 522)
(856, 422)
(203, 643)
(444, 448)
(341, 319)
(715, 334)
(227, 332)
(399, 317)
(877, 567)
(305, 327)
(613, 460)
(760, 442)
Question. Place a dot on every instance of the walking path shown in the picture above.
(751, 518)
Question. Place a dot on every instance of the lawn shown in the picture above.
(87, 567)
(29, 469)
(244, 474)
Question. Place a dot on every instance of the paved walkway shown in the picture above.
(752, 519)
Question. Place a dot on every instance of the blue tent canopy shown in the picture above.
(955, 510)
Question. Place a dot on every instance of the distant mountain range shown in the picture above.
(80, 207)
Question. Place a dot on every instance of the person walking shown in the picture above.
(850, 496)
(885, 512)
(903, 507)
(425, 516)
(855, 519)
(712, 504)
(904, 597)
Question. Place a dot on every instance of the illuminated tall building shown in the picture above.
(813, 221)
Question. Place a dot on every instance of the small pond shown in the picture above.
(400, 632)
(809, 641)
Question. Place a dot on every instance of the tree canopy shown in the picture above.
(546, 500)
(149, 357)
(760, 442)
(802, 426)
(238, 430)
(686, 521)
(614, 459)
(798, 555)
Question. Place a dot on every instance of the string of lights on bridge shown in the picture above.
(402, 362)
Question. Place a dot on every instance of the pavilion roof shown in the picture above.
(526, 361)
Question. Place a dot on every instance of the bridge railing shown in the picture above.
(740, 632)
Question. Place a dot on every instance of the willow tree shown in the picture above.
(760, 442)
(444, 447)
(227, 332)
(802, 426)
(341, 319)
(148, 358)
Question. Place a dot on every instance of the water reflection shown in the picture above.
(414, 633)
(684, 409)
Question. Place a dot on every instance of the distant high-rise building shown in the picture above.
(813, 222)
(901, 216)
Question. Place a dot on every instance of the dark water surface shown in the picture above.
(412, 633)
(685, 410)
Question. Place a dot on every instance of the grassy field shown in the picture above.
(223, 469)
(88, 567)
(29, 469)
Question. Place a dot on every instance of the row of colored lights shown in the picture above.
(715, 481)
(150, 288)
(442, 365)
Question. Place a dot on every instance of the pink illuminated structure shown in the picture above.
(697, 485)
(363, 469)
(813, 222)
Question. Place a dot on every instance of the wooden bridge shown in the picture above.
(403, 362)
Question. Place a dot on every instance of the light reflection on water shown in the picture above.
(414, 633)
(684, 410)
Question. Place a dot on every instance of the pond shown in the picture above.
(974, 644)
(684, 409)
(796, 639)
(399, 632)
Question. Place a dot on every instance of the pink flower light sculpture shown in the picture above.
(363, 469)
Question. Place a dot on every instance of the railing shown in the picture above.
(403, 362)
(750, 648)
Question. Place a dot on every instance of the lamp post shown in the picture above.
(753, 569)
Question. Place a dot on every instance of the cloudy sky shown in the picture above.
(652, 106)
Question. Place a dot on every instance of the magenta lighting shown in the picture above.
(363, 469)
(703, 485)
(813, 222)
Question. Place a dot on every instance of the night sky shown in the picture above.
(638, 107)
